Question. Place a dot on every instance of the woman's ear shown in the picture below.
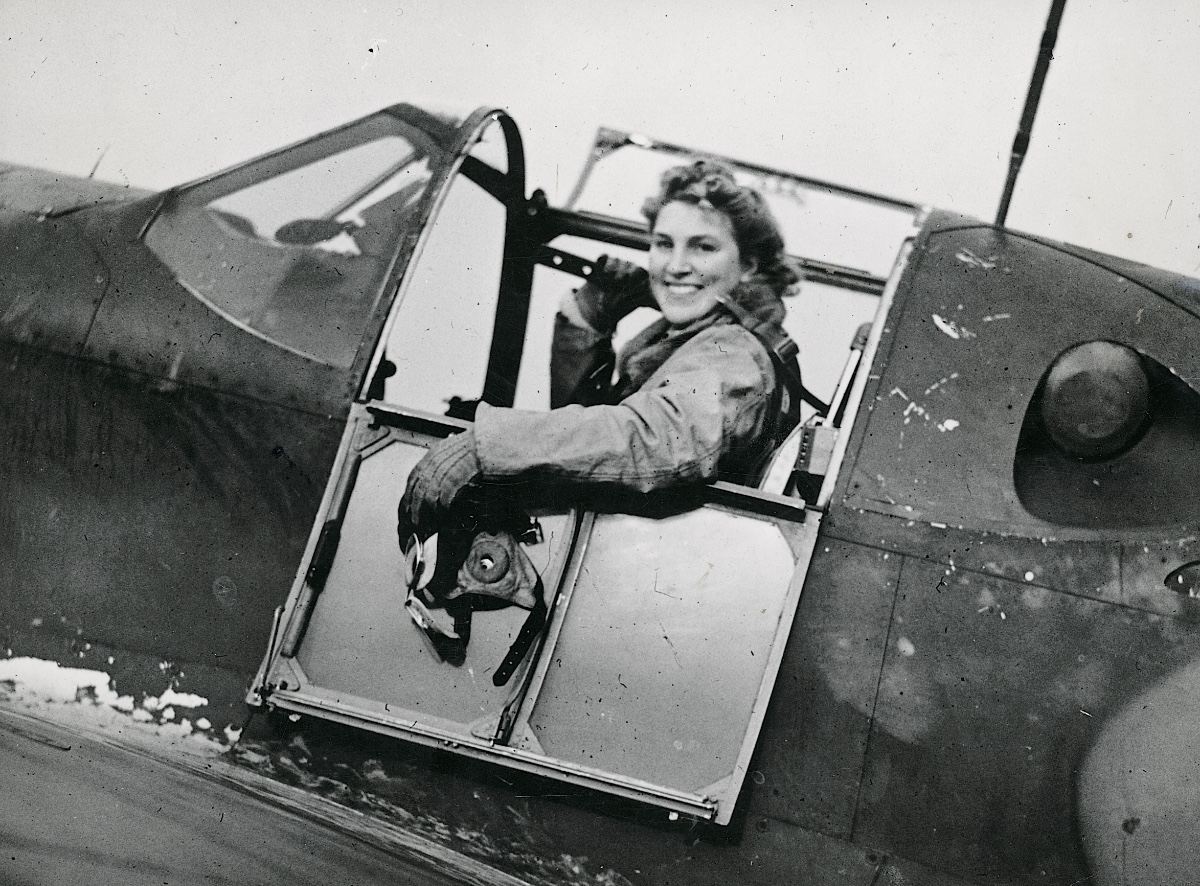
(749, 269)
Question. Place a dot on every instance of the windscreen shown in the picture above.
(296, 248)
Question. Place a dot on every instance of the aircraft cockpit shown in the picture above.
(651, 674)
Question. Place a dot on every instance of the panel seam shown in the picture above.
(875, 704)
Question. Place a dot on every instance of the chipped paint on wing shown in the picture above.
(914, 408)
(967, 257)
(941, 381)
(922, 411)
(951, 328)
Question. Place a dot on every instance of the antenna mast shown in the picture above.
(1025, 127)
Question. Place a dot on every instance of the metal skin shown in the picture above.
(981, 615)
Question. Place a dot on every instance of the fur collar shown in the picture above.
(651, 347)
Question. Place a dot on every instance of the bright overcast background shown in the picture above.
(917, 99)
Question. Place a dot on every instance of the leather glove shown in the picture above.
(435, 482)
(615, 289)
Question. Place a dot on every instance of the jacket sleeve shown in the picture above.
(581, 364)
(711, 395)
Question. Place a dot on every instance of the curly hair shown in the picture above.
(712, 185)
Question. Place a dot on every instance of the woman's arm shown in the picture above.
(581, 360)
(581, 357)
(708, 399)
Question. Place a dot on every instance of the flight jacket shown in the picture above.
(690, 404)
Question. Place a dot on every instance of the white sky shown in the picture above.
(918, 99)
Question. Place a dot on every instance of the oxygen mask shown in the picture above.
(472, 565)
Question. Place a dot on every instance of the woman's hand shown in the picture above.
(615, 289)
(435, 483)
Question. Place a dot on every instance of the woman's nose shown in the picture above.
(678, 263)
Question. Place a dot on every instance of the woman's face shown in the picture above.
(694, 259)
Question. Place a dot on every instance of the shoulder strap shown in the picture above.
(783, 350)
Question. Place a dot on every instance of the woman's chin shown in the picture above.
(681, 315)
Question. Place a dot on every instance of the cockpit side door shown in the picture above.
(670, 628)
(345, 647)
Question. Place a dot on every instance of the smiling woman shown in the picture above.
(695, 396)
